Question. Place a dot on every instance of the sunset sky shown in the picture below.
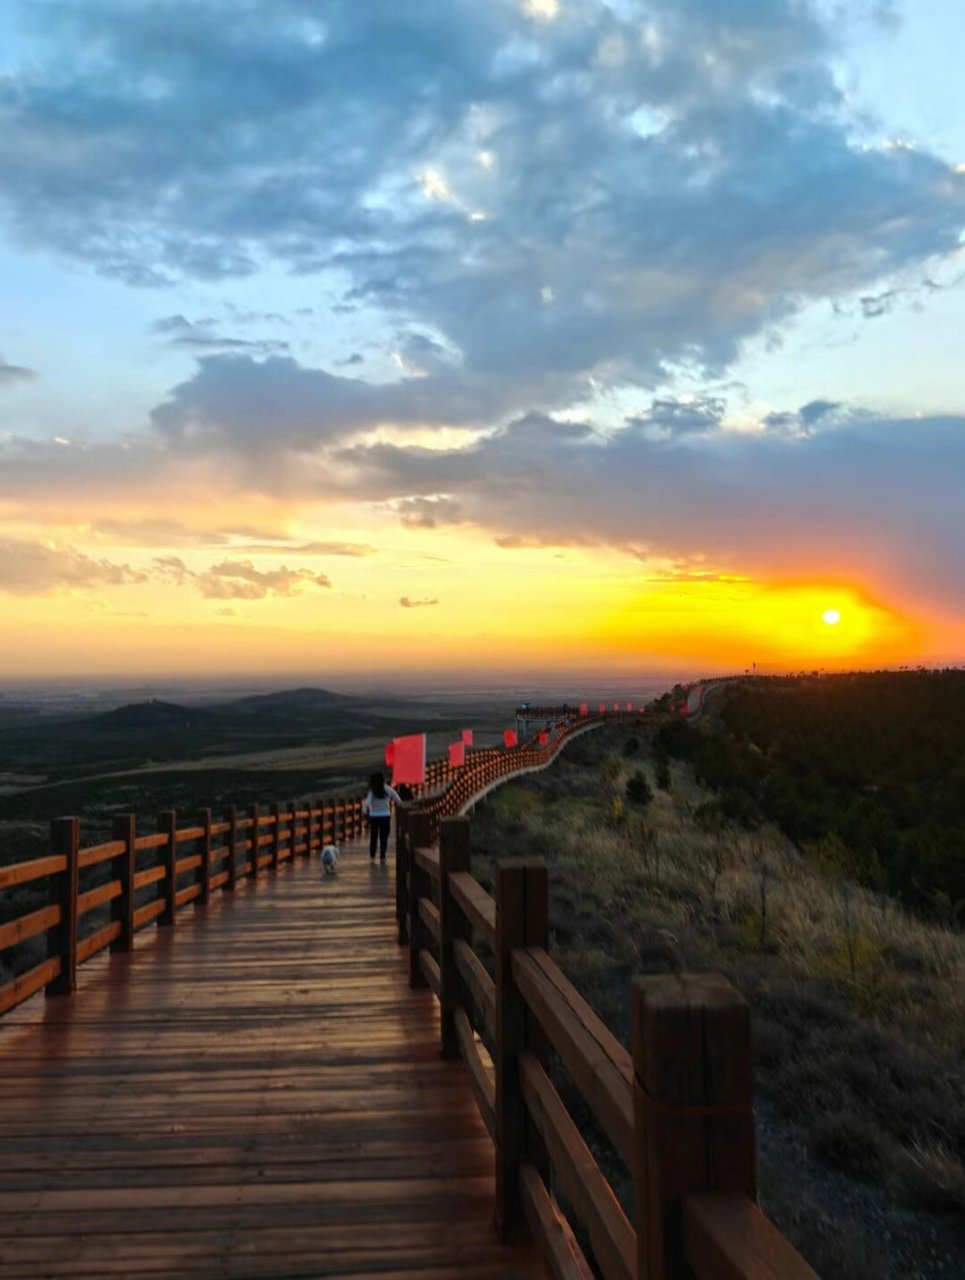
(353, 335)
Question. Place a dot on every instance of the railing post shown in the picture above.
(293, 823)
(231, 817)
(692, 1103)
(123, 828)
(64, 888)
(254, 816)
(204, 871)
(309, 828)
(521, 921)
(167, 823)
(455, 852)
(402, 874)
(275, 811)
(420, 884)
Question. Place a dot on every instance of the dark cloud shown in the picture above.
(408, 603)
(613, 193)
(428, 513)
(240, 403)
(35, 568)
(10, 374)
(767, 503)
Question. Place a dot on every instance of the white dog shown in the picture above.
(330, 859)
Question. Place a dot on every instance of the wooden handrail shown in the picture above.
(289, 830)
(677, 1110)
(661, 1107)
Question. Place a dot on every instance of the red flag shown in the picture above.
(409, 760)
(543, 738)
(467, 737)
(616, 706)
(629, 706)
(457, 754)
(389, 753)
(583, 708)
(509, 738)
(602, 707)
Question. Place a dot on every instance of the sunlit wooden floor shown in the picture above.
(256, 1092)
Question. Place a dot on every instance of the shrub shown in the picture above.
(663, 771)
(851, 1144)
(638, 789)
(631, 746)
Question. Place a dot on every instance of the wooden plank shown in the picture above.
(480, 986)
(455, 852)
(598, 1063)
(97, 897)
(36, 869)
(29, 926)
(190, 863)
(156, 841)
(428, 860)
(550, 1229)
(194, 1114)
(481, 1077)
(150, 911)
(98, 940)
(98, 853)
(28, 983)
(429, 914)
(430, 970)
(150, 875)
(189, 833)
(584, 1186)
(476, 904)
(726, 1237)
(187, 894)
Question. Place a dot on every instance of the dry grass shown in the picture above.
(859, 1008)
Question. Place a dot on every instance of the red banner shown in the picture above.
(509, 738)
(616, 706)
(389, 753)
(409, 760)
(457, 755)
(543, 738)
(467, 737)
(602, 707)
(629, 706)
(583, 708)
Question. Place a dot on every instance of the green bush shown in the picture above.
(639, 791)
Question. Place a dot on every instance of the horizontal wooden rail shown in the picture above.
(580, 1178)
(289, 831)
(726, 1237)
(677, 1110)
(593, 1056)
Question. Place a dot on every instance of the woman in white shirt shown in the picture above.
(376, 805)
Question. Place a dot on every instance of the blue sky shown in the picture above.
(389, 266)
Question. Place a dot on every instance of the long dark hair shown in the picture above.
(377, 785)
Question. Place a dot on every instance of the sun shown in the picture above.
(831, 616)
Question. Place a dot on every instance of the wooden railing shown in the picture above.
(178, 865)
(677, 1111)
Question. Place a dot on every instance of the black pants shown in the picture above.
(379, 835)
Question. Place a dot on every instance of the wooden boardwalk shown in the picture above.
(255, 1092)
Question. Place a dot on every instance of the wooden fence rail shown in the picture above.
(677, 1110)
(218, 854)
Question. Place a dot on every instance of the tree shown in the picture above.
(663, 771)
(639, 791)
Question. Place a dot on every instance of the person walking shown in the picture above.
(376, 805)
